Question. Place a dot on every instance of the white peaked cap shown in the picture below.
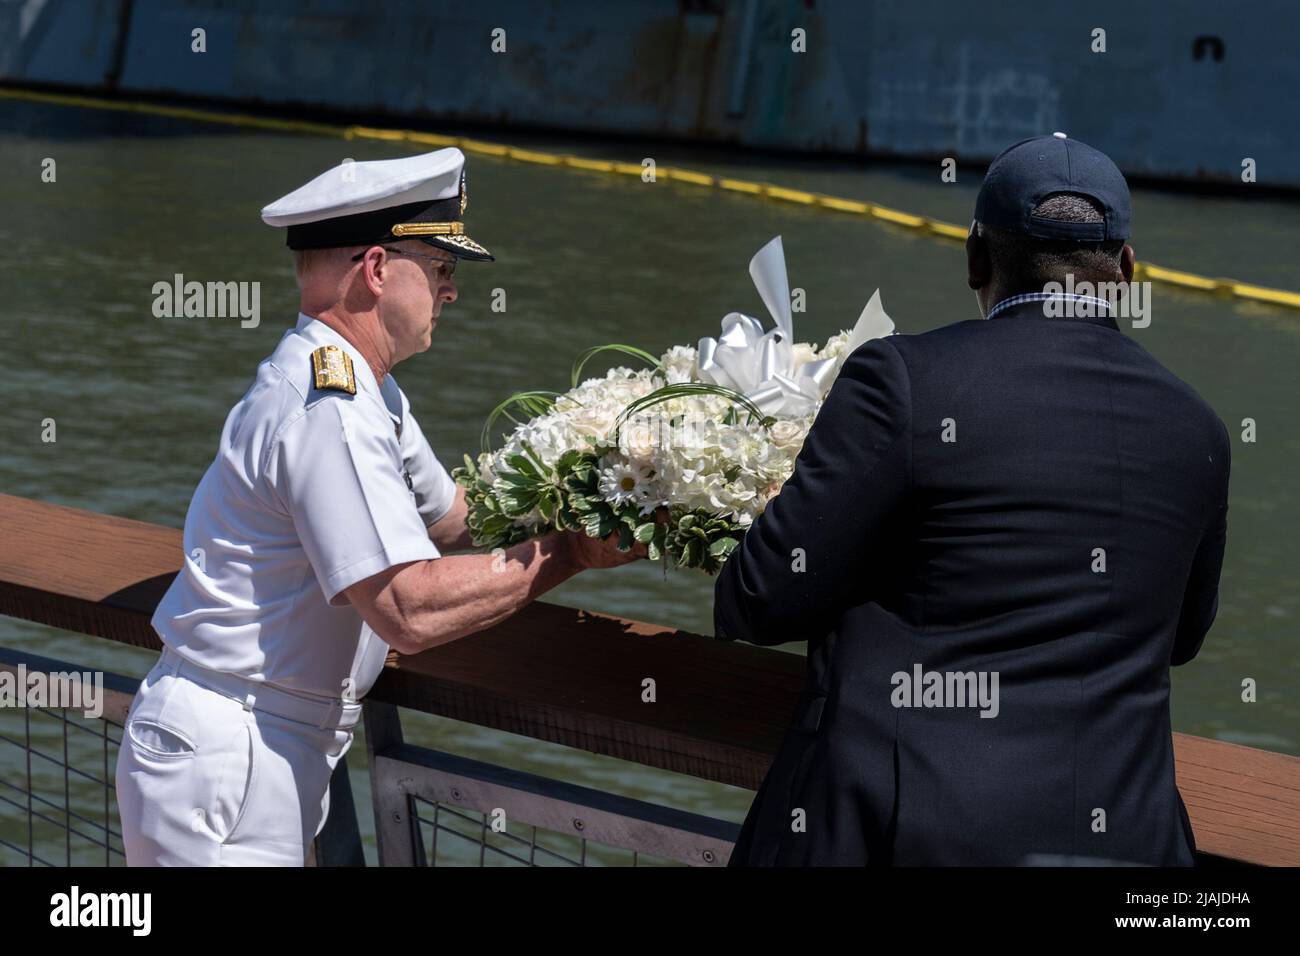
(358, 203)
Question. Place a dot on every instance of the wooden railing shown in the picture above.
(574, 677)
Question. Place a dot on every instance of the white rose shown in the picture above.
(639, 441)
(787, 434)
(594, 421)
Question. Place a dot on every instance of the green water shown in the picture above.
(584, 259)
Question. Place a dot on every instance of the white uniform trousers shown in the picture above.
(215, 771)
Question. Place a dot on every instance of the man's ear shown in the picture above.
(979, 267)
(1126, 262)
(374, 269)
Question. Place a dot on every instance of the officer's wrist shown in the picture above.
(565, 550)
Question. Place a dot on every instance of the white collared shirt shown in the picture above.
(1067, 299)
(307, 496)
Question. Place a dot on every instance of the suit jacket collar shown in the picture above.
(1036, 305)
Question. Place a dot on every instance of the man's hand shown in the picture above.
(422, 604)
(588, 552)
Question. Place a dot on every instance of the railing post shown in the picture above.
(339, 842)
(394, 831)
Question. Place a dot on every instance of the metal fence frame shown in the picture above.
(404, 778)
(118, 694)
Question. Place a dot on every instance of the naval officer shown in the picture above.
(314, 543)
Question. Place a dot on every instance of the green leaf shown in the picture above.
(542, 470)
(568, 461)
(723, 547)
(523, 465)
(496, 524)
(592, 522)
(645, 533)
(518, 504)
(516, 480)
(592, 352)
(582, 476)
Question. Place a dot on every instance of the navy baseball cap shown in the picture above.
(1025, 174)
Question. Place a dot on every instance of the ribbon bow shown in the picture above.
(761, 365)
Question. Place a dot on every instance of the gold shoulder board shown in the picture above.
(332, 369)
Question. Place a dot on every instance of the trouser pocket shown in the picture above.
(158, 740)
(187, 760)
(235, 783)
(156, 728)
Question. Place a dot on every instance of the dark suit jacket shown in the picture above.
(891, 547)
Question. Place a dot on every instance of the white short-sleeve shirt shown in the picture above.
(311, 491)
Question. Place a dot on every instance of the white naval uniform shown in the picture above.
(232, 737)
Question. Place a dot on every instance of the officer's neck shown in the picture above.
(364, 333)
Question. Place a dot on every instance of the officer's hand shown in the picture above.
(590, 552)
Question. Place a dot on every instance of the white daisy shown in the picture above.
(622, 483)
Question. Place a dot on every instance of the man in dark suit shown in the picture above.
(998, 537)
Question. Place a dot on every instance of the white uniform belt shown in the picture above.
(320, 712)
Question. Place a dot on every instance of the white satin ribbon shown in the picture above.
(760, 365)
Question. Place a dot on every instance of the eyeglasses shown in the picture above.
(446, 267)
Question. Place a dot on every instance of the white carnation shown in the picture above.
(678, 364)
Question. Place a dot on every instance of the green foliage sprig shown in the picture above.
(568, 497)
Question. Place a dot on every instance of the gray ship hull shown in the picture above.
(1187, 91)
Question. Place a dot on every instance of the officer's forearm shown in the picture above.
(428, 603)
(450, 533)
